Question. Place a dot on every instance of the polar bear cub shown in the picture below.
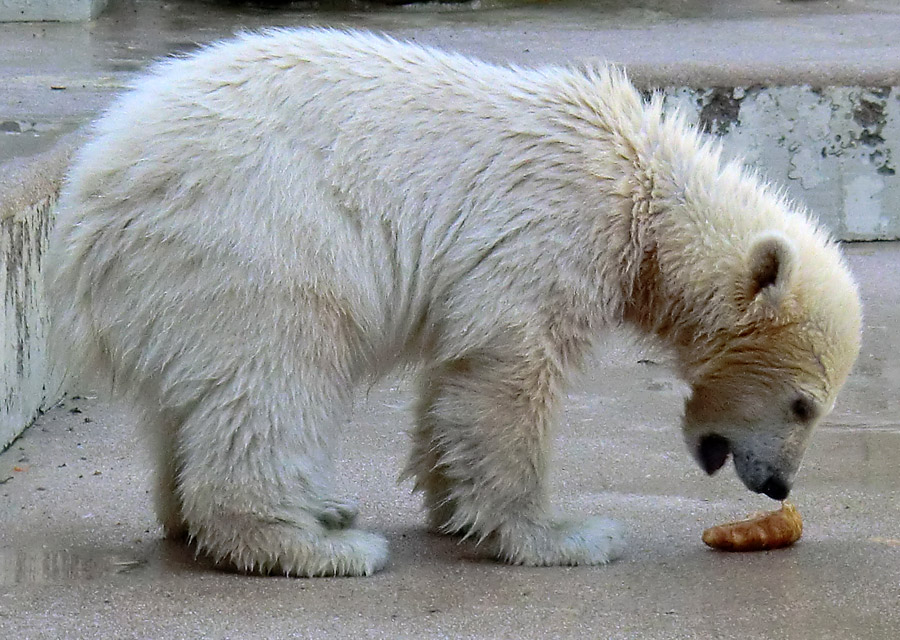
(260, 227)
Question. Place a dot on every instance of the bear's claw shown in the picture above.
(337, 514)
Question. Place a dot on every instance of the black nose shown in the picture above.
(775, 488)
(713, 452)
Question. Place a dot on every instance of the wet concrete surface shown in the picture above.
(56, 77)
(81, 555)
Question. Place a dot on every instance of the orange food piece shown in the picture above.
(771, 530)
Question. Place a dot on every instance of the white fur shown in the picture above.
(260, 227)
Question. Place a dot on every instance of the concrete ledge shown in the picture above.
(50, 10)
(28, 192)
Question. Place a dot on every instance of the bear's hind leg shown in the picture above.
(480, 457)
(255, 483)
(424, 467)
(166, 501)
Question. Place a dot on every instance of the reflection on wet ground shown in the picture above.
(33, 563)
(46, 566)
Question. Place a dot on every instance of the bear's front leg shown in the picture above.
(480, 454)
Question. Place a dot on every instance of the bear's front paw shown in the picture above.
(589, 542)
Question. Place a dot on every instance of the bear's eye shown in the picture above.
(803, 409)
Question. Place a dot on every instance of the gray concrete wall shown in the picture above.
(28, 381)
(831, 148)
(50, 10)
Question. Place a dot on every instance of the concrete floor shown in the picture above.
(81, 555)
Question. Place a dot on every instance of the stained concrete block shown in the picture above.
(50, 10)
(28, 381)
(830, 148)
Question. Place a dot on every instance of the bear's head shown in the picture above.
(760, 386)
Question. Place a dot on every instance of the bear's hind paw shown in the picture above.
(279, 549)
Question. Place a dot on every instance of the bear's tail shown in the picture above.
(74, 342)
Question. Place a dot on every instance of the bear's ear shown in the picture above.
(770, 265)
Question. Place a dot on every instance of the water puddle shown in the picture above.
(47, 566)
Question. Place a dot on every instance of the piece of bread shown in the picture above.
(771, 530)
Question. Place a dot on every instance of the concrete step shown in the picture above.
(28, 382)
(51, 10)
